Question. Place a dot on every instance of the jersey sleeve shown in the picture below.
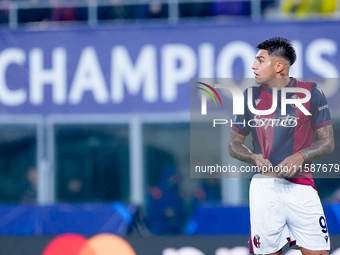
(240, 125)
(321, 115)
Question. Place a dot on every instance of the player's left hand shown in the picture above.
(290, 165)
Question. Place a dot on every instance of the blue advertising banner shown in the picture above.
(84, 219)
(125, 69)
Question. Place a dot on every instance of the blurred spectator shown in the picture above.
(305, 8)
(82, 12)
(115, 11)
(4, 11)
(36, 13)
(231, 8)
(74, 192)
(62, 13)
(266, 4)
(152, 9)
(208, 191)
(30, 192)
(299, 8)
(328, 6)
(165, 209)
(156, 10)
(270, 9)
(195, 10)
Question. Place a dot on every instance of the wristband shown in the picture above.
(304, 159)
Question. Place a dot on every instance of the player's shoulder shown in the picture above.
(313, 87)
(305, 84)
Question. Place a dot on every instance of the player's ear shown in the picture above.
(280, 66)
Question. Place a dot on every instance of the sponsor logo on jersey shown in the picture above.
(323, 107)
(287, 121)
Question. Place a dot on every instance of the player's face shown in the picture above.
(264, 67)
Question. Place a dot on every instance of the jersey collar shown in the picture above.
(291, 83)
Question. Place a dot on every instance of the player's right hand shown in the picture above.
(262, 163)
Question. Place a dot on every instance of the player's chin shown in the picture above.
(259, 80)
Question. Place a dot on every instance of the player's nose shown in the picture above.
(254, 66)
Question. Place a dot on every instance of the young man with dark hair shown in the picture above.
(284, 204)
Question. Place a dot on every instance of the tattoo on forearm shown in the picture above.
(238, 150)
(323, 146)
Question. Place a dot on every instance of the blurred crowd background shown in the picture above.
(15, 12)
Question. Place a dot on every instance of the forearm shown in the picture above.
(324, 145)
(239, 151)
(317, 150)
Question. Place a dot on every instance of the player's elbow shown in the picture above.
(331, 146)
(231, 150)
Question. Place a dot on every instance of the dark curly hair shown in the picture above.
(279, 47)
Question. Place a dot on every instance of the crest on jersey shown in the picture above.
(294, 97)
(256, 241)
